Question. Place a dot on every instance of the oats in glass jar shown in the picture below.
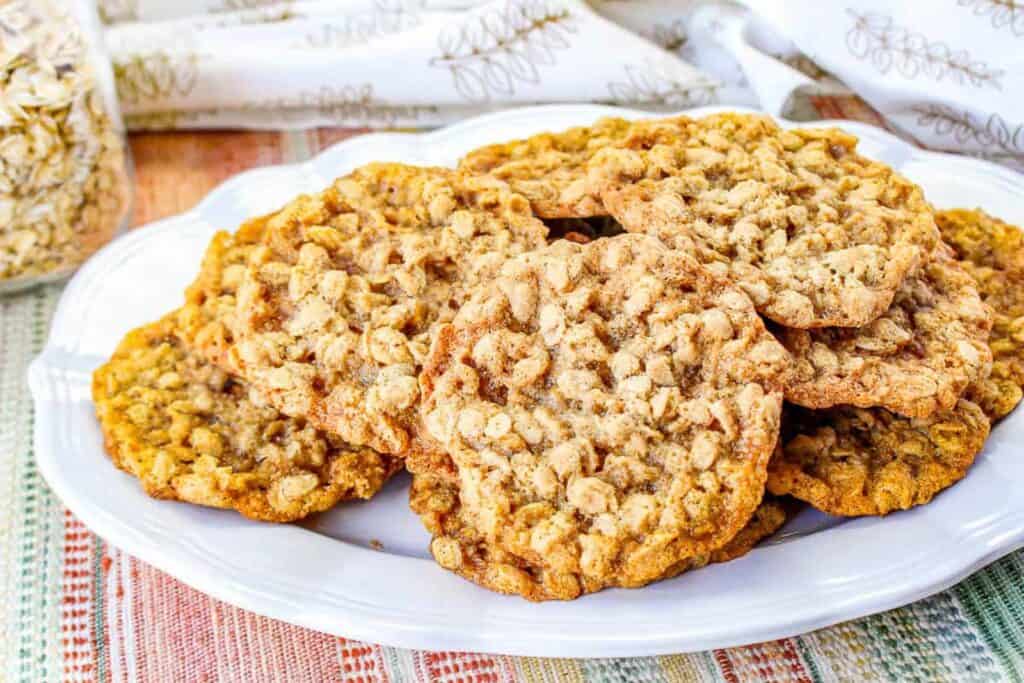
(63, 182)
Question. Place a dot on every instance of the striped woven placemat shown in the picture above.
(75, 608)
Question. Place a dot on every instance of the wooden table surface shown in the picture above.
(174, 170)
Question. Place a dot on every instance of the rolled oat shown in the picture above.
(63, 183)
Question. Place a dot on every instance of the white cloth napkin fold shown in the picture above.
(948, 73)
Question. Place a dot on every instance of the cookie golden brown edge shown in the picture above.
(190, 432)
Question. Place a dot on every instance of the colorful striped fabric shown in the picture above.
(74, 608)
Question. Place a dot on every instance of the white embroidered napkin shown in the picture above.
(947, 74)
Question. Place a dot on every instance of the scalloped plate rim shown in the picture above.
(343, 613)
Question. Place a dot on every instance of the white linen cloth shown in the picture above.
(948, 73)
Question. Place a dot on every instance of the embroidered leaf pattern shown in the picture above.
(157, 75)
(495, 51)
(672, 37)
(165, 120)
(348, 104)
(877, 39)
(650, 84)
(113, 11)
(245, 17)
(386, 16)
(1002, 13)
(235, 5)
(993, 134)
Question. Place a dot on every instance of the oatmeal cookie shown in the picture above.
(335, 308)
(816, 234)
(609, 410)
(461, 548)
(204, 322)
(992, 251)
(190, 432)
(550, 168)
(916, 359)
(858, 461)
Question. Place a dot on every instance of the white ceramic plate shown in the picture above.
(325, 576)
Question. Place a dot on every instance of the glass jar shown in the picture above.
(64, 167)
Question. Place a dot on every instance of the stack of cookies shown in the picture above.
(606, 356)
